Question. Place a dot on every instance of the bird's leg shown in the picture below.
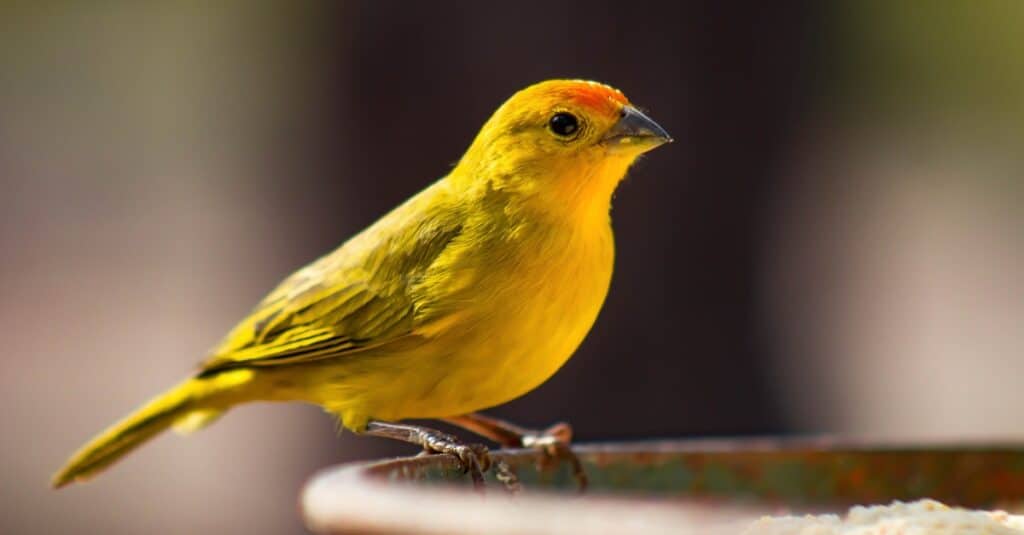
(553, 441)
(474, 457)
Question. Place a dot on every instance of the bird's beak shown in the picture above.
(635, 132)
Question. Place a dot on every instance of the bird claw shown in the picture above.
(504, 473)
(555, 443)
(474, 458)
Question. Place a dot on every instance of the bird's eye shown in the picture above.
(564, 124)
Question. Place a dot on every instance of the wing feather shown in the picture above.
(356, 298)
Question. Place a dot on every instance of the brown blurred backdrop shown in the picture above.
(833, 244)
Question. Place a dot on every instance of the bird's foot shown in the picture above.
(504, 473)
(556, 444)
(475, 458)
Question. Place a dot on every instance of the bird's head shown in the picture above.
(562, 144)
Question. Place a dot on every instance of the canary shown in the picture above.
(471, 293)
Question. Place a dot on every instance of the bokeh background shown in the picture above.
(834, 243)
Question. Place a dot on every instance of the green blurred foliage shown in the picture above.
(933, 57)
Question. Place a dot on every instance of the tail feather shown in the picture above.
(196, 420)
(145, 423)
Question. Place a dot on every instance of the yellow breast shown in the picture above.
(555, 316)
(515, 338)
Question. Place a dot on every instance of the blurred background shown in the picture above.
(834, 243)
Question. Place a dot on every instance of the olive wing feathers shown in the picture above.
(353, 299)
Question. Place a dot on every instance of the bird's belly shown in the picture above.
(516, 343)
(522, 325)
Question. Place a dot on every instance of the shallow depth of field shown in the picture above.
(832, 245)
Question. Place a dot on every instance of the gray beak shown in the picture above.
(634, 129)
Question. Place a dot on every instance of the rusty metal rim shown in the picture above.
(354, 499)
(367, 497)
(822, 444)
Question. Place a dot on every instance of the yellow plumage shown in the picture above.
(468, 295)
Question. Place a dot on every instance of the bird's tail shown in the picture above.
(188, 406)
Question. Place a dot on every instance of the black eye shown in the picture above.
(564, 124)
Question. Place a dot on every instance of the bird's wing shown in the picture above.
(353, 299)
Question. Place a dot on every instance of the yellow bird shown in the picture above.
(470, 294)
